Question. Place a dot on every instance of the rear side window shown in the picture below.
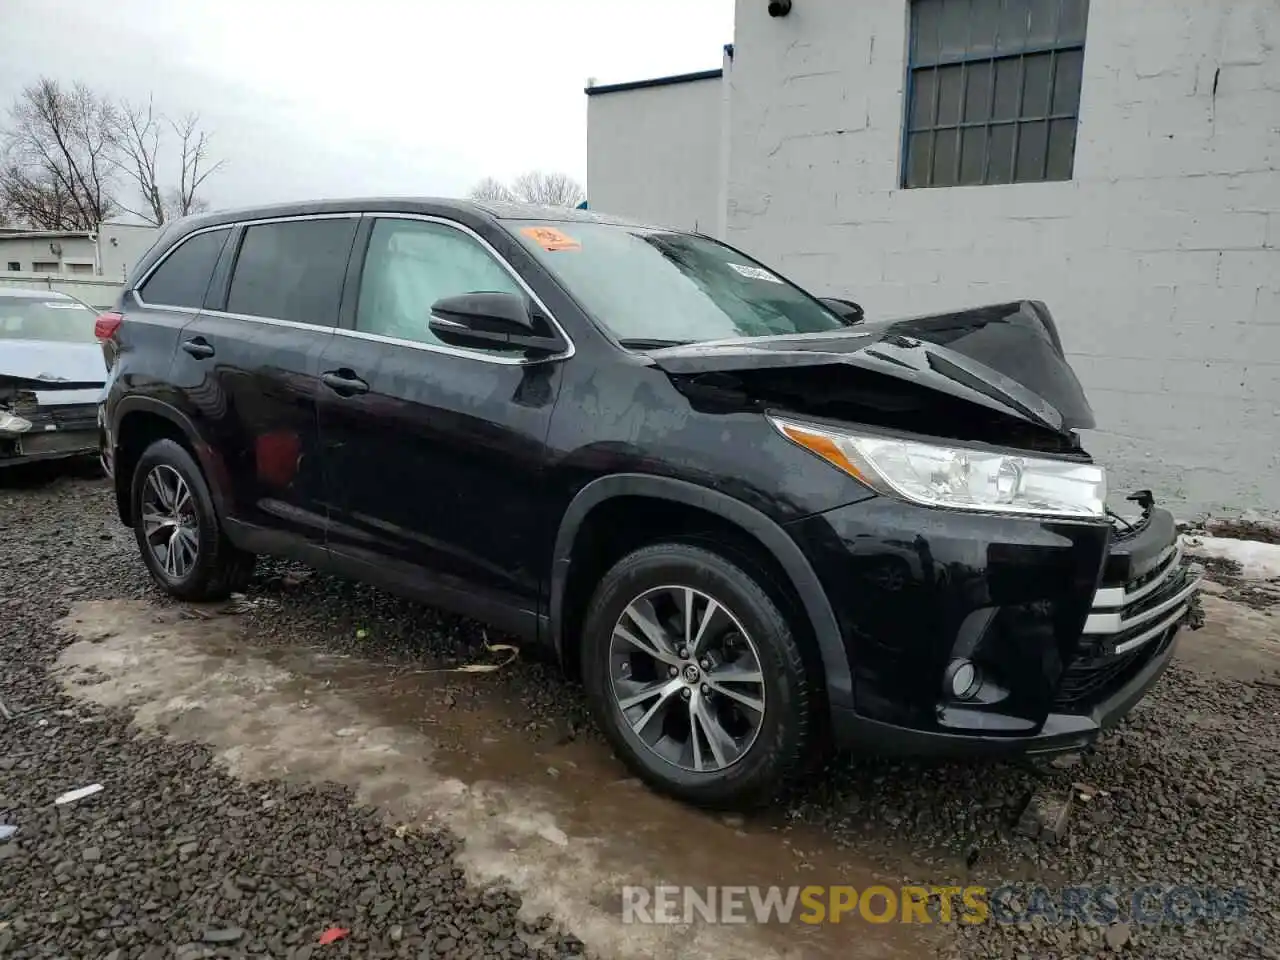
(292, 270)
(182, 278)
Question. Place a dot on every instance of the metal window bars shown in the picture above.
(994, 91)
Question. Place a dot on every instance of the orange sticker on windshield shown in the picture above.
(549, 238)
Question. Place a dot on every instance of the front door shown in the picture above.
(248, 366)
(434, 453)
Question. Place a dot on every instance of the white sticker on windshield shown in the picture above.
(755, 273)
(62, 305)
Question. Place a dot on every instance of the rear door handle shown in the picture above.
(198, 347)
(344, 383)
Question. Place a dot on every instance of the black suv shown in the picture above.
(750, 523)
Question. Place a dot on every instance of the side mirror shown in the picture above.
(492, 320)
(846, 310)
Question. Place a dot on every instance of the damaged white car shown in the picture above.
(51, 375)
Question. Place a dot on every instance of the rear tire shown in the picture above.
(177, 528)
(724, 721)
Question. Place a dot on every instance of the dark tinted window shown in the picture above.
(183, 277)
(292, 270)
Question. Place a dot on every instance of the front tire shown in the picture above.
(177, 528)
(696, 678)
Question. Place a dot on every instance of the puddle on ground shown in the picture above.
(1237, 641)
(568, 841)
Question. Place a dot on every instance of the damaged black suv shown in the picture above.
(751, 524)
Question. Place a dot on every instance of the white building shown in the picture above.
(1118, 160)
(108, 253)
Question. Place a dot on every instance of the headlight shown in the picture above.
(11, 423)
(961, 478)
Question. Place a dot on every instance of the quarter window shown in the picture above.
(292, 270)
(413, 263)
(994, 91)
(182, 278)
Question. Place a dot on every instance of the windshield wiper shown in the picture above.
(650, 343)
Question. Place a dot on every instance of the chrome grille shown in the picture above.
(1127, 626)
(1137, 609)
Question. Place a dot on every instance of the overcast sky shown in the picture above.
(315, 99)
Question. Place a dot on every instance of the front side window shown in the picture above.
(652, 287)
(182, 279)
(994, 91)
(62, 321)
(293, 270)
(413, 263)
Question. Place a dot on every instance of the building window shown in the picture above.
(15, 266)
(994, 90)
(45, 266)
(80, 268)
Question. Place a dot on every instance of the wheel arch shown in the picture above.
(750, 521)
(136, 422)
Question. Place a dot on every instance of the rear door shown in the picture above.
(155, 312)
(435, 453)
(248, 365)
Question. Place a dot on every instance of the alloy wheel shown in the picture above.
(169, 521)
(687, 678)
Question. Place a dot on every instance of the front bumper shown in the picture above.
(1068, 624)
(1060, 732)
(47, 445)
(57, 431)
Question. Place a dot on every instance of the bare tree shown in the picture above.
(140, 139)
(491, 189)
(137, 141)
(71, 158)
(58, 148)
(35, 203)
(195, 167)
(551, 189)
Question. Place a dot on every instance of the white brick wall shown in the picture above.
(1161, 260)
(654, 154)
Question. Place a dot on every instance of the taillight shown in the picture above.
(105, 327)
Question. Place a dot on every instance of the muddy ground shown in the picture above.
(305, 759)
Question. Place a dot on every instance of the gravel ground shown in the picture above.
(1182, 794)
(184, 861)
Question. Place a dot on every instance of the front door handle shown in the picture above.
(344, 383)
(198, 347)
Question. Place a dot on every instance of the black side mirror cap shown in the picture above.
(846, 310)
(493, 320)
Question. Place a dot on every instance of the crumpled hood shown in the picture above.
(1006, 357)
(59, 373)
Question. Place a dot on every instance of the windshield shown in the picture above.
(656, 287)
(64, 321)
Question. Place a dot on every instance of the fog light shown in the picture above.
(962, 679)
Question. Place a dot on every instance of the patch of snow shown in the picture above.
(1259, 561)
